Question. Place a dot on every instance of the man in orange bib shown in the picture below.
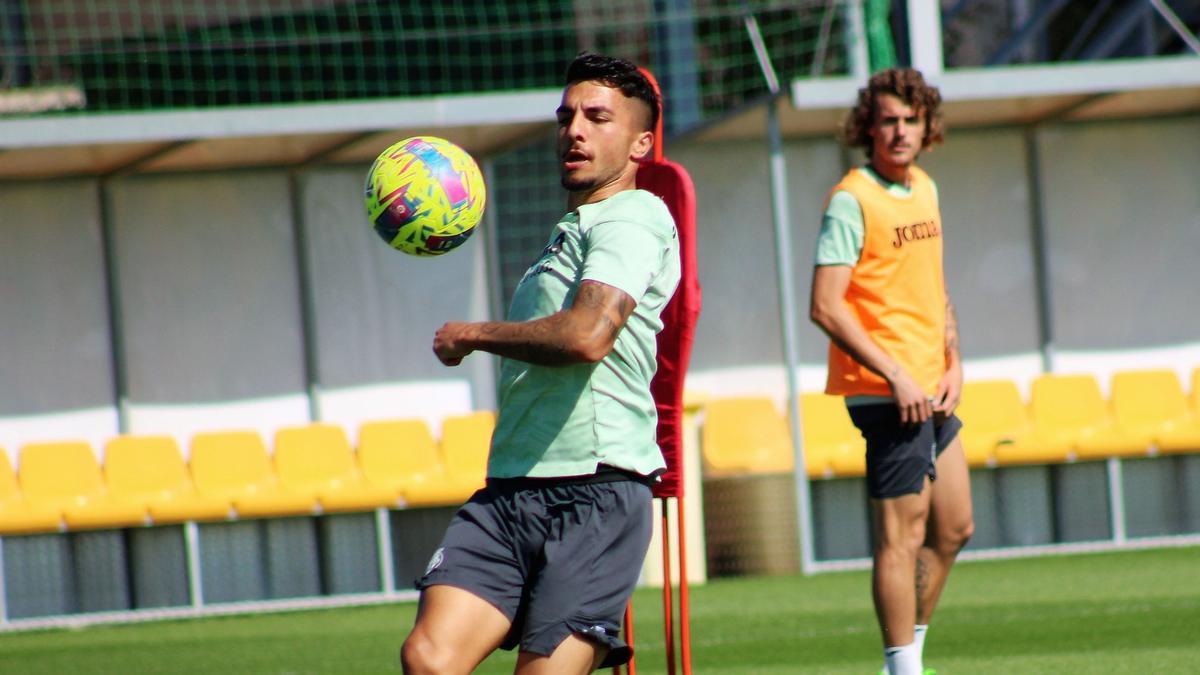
(879, 292)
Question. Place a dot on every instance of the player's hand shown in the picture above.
(449, 344)
(949, 393)
(915, 406)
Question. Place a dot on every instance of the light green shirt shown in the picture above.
(565, 420)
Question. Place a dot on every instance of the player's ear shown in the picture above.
(642, 145)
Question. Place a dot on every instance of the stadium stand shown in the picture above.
(317, 460)
(832, 444)
(464, 445)
(402, 455)
(993, 414)
(234, 465)
(1151, 403)
(65, 476)
(149, 471)
(17, 515)
(1073, 405)
(1195, 394)
(745, 435)
(1070, 422)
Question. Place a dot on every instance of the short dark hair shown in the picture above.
(617, 73)
(909, 86)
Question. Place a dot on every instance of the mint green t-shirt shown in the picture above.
(559, 421)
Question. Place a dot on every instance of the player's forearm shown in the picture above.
(952, 353)
(846, 332)
(555, 340)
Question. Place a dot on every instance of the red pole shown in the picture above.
(685, 615)
(629, 667)
(668, 599)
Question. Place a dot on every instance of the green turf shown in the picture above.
(1133, 612)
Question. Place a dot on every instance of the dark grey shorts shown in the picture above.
(556, 560)
(899, 457)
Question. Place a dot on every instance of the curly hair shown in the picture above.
(909, 86)
(617, 73)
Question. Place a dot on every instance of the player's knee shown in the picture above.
(964, 534)
(953, 539)
(420, 655)
(915, 536)
(904, 541)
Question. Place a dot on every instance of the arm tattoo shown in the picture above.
(590, 296)
(951, 330)
(598, 312)
(532, 341)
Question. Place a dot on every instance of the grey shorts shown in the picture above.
(556, 560)
(899, 457)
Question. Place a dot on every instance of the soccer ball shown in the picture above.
(425, 195)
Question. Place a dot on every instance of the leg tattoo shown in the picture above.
(922, 585)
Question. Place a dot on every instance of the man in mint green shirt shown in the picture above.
(565, 420)
(546, 556)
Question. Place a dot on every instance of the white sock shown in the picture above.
(919, 639)
(903, 660)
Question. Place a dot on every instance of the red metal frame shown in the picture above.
(675, 186)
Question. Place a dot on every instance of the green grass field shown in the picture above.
(1132, 612)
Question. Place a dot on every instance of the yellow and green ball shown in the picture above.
(425, 195)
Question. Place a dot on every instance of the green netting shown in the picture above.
(130, 55)
(103, 56)
(529, 202)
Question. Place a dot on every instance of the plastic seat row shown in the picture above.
(313, 469)
(750, 435)
(1066, 419)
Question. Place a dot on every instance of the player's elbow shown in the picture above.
(590, 349)
(590, 343)
(821, 313)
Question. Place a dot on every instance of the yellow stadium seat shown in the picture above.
(17, 515)
(149, 471)
(65, 476)
(833, 446)
(465, 442)
(317, 460)
(402, 455)
(993, 414)
(234, 465)
(1070, 421)
(745, 435)
(1195, 393)
(1151, 403)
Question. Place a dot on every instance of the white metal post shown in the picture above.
(191, 546)
(925, 37)
(787, 291)
(856, 41)
(1116, 501)
(383, 537)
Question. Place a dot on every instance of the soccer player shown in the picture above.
(546, 556)
(879, 292)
